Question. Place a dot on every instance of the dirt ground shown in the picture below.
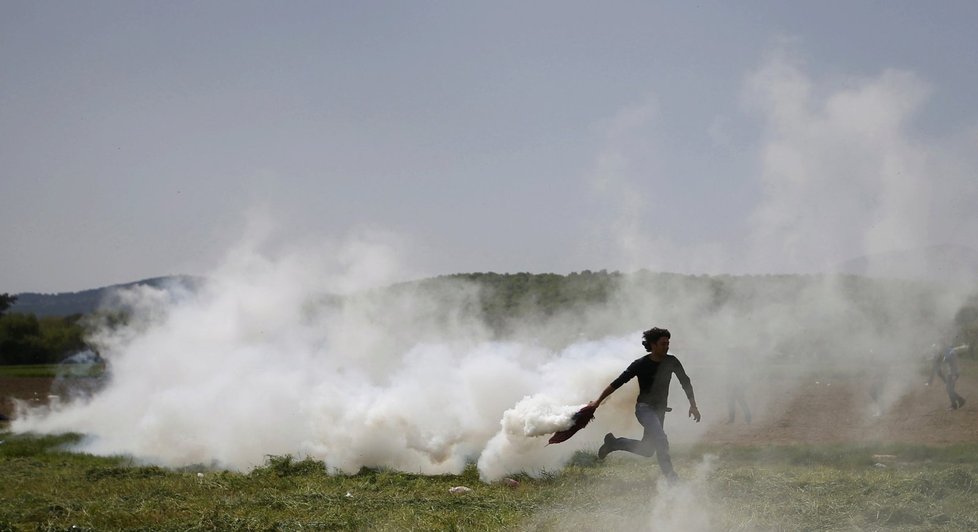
(34, 390)
(843, 411)
(814, 412)
(37, 391)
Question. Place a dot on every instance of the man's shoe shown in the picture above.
(607, 446)
(960, 402)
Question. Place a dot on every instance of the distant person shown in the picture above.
(936, 365)
(736, 388)
(735, 396)
(878, 379)
(876, 394)
(654, 371)
(945, 366)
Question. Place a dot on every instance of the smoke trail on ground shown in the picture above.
(257, 363)
(263, 361)
(685, 506)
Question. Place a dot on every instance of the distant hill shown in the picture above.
(506, 294)
(555, 310)
(87, 301)
(942, 263)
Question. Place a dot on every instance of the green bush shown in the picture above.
(25, 339)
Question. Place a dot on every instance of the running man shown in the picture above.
(654, 371)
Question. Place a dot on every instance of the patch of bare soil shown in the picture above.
(34, 390)
(40, 391)
(843, 411)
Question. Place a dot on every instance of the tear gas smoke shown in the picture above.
(686, 506)
(256, 364)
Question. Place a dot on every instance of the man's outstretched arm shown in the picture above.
(604, 395)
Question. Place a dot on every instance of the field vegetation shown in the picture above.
(798, 487)
(27, 339)
(52, 370)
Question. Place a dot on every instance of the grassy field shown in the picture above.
(53, 370)
(734, 488)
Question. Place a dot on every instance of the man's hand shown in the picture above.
(694, 413)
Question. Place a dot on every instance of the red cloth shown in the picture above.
(581, 419)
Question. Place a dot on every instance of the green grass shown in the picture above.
(46, 487)
(53, 370)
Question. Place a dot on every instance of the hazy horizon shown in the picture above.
(949, 265)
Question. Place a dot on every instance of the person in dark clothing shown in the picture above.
(654, 371)
(946, 367)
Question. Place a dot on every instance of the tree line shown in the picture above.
(27, 339)
(504, 300)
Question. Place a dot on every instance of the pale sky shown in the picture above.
(140, 139)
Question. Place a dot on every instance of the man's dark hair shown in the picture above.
(652, 335)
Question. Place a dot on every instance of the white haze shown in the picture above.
(264, 361)
(841, 170)
(258, 364)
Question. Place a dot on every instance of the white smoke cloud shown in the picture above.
(257, 363)
(841, 166)
(262, 362)
(631, 156)
(628, 151)
(843, 171)
(685, 506)
(562, 386)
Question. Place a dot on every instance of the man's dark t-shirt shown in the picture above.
(653, 379)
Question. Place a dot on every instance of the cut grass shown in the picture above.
(839, 455)
(46, 487)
